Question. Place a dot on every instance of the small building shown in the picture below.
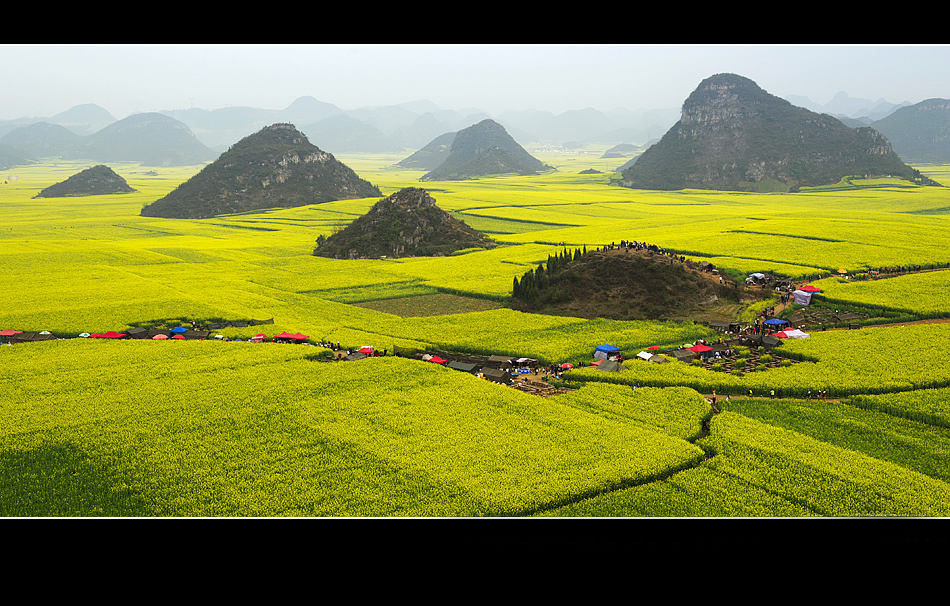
(497, 361)
(605, 351)
(770, 341)
(463, 366)
(30, 337)
(497, 376)
(684, 355)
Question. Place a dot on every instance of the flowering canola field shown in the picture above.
(207, 428)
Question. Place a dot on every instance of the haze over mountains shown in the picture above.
(81, 130)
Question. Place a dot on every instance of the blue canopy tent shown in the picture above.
(776, 321)
(604, 351)
(179, 329)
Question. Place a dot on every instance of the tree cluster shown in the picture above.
(536, 281)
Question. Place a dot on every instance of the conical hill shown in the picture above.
(96, 181)
(485, 149)
(405, 224)
(277, 167)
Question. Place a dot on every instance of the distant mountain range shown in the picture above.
(395, 128)
(392, 129)
(150, 138)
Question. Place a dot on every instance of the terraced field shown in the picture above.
(98, 427)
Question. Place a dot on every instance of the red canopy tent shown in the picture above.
(365, 350)
(159, 337)
(810, 288)
(295, 336)
(108, 335)
(654, 347)
(567, 365)
(9, 332)
(438, 360)
(182, 337)
(780, 335)
(700, 348)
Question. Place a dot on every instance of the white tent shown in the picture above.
(644, 355)
(794, 333)
(802, 297)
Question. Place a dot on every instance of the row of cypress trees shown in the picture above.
(535, 281)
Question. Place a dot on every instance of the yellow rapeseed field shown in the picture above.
(98, 427)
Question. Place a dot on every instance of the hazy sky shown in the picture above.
(42, 80)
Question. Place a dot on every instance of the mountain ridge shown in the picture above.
(733, 135)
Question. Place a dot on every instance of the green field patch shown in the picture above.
(373, 292)
(924, 293)
(189, 255)
(251, 227)
(943, 210)
(803, 237)
(496, 225)
(911, 444)
(929, 406)
(425, 304)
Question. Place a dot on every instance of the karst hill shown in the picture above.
(481, 150)
(406, 224)
(277, 167)
(732, 135)
(99, 180)
(623, 283)
(920, 132)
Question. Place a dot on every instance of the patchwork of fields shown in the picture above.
(92, 427)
